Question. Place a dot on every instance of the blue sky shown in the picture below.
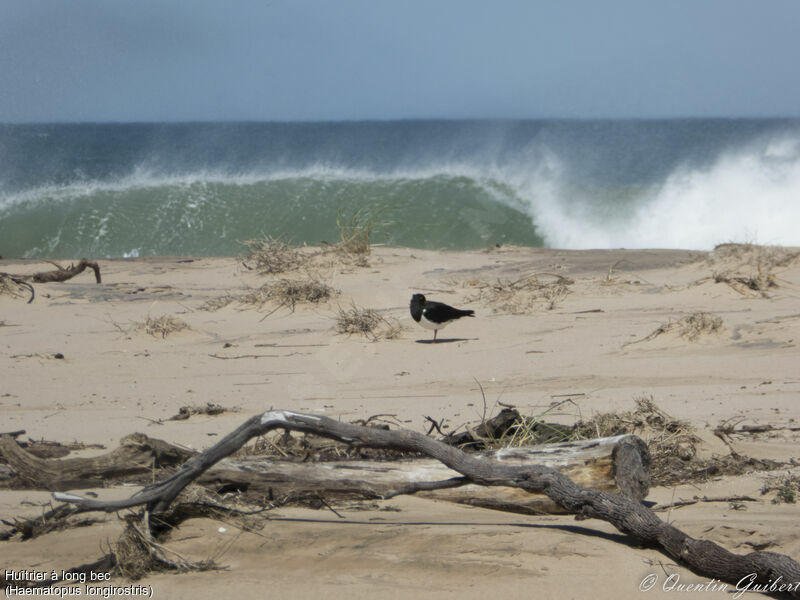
(167, 60)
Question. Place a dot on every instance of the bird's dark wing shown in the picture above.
(438, 312)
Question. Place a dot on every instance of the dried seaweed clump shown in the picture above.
(750, 268)
(269, 255)
(367, 322)
(162, 326)
(289, 292)
(526, 295)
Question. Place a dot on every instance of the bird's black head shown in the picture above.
(417, 306)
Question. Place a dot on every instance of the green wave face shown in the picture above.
(206, 217)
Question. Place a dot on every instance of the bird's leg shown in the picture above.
(435, 331)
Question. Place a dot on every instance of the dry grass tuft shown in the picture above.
(162, 326)
(289, 292)
(750, 268)
(367, 322)
(269, 256)
(281, 292)
(356, 230)
(690, 327)
(522, 296)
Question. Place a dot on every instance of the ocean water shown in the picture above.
(113, 190)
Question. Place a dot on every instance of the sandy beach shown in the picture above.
(613, 329)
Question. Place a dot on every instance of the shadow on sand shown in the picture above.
(446, 340)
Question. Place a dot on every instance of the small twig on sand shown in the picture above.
(329, 507)
(435, 425)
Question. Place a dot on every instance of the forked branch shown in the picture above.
(63, 274)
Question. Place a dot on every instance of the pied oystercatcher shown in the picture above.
(435, 315)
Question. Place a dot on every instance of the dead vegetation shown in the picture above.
(672, 444)
(162, 326)
(272, 256)
(616, 279)
(278, 292)
(269, 256)
(367, 322)
(750, 269)
(138, 552)
(289, 292)
(507, 429)
(356, 230)
(691, 327)
(542, 291)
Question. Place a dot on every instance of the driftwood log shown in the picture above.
(627, 515)
(597, 464)
(65, 273)
(59, 274)
(618, 464)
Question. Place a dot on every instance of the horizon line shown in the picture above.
(398, 120)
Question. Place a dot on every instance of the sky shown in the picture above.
(288, 60)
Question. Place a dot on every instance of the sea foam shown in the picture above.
(749, 195)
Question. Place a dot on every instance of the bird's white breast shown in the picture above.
(430, 324)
